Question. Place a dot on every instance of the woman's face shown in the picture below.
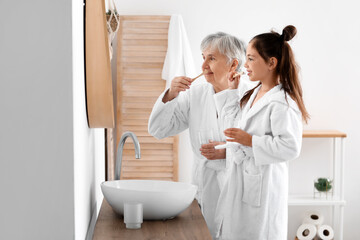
(255, 65)
(215, 66)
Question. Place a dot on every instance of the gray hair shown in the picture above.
(228, 45)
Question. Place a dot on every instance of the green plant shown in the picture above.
(109, 12)
(323, 184)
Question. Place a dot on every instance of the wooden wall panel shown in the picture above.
(142, 46)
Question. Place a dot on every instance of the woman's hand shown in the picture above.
(233, 82)
(208, 151)
(178, 84)
(238, 136)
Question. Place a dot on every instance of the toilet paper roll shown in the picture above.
(306, 232)
(325, 232)
(314, 217)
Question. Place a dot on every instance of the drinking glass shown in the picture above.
(205, 135)
(229, 122)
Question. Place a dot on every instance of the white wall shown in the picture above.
(51, 163)
(89, 147)
(327, 50)
(36, 139)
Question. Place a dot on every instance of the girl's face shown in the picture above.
(215, 66)
(255, 65)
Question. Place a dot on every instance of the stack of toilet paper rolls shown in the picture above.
(313, 228)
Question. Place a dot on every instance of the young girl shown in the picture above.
(253, 204)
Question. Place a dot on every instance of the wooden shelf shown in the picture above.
(323, 134)
(337, 201)
(307, 200)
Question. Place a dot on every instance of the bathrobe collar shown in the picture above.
(276, 94)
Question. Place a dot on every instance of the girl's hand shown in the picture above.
(208, 151)
(178, 84)
(233, 83)
(238, 136)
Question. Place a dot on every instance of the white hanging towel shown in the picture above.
(179, 60)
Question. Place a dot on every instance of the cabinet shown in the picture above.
(336, 201)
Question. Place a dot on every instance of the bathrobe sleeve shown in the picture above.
(170, 118)
(284, 142)
(227, 104)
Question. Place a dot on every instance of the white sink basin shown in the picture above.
(160, 199)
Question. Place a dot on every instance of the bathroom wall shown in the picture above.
(326, 48)
(89, 146)
(36, 140)
(51, 163)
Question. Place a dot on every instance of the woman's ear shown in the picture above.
(272, 63)
(234, 65)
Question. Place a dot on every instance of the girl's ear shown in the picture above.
(272, 63)
(234, 65)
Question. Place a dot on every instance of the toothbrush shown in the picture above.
(235, 75)
(197, 77)
(233, 145)
(239, 74)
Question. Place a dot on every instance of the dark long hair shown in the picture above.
(273, 44)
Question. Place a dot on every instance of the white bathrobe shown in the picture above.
(194, 109)
(253, 203)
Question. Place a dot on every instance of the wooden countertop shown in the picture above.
(190, 224)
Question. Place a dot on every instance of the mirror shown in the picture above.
(99, 92)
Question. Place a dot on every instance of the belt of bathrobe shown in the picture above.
(242, 154)
(216, 165)
(248, 151)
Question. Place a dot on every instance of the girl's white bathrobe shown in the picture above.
(194, 109)
(253, 203)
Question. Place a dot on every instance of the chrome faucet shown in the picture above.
(120, 151)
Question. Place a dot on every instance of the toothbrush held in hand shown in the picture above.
(235, 75)
(197, 77)
(239, 74)
(233, 82)
(233, 145)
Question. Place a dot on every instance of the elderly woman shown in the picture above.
(184, 106)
